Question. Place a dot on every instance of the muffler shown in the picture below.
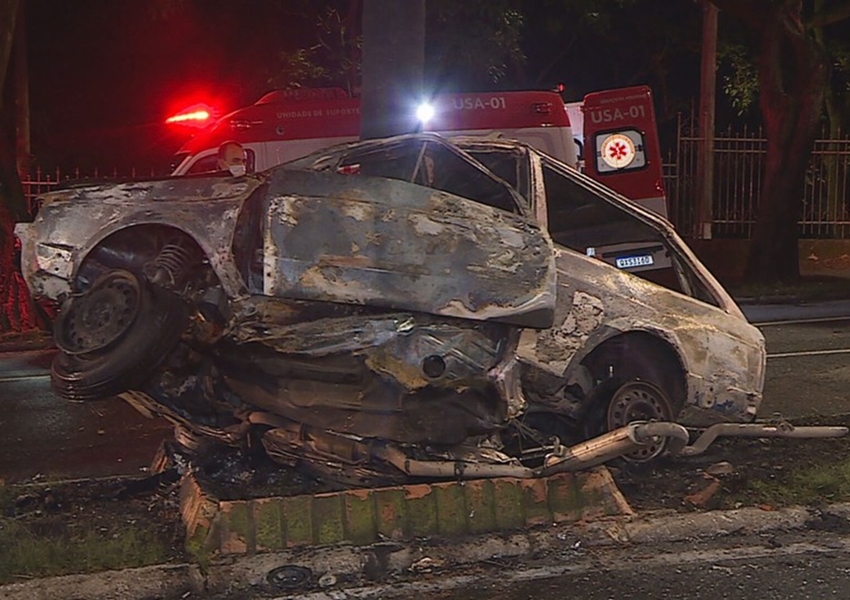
(614, 444)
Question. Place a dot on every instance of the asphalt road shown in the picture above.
(808, 368)
(42, 436)
(787, 566)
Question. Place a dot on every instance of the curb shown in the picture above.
(216, 529)
(157, 581)
(375, 562)
(28, 341)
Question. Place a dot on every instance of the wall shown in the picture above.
(726, 258)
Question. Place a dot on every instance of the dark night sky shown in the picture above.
(104, 74)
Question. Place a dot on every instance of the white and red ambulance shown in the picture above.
(616, 126)
(621, 144)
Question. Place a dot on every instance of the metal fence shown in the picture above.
(42, 182)
(738, 170)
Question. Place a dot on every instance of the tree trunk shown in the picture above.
(8, 16)
(22, 97)
(354, 30)
(17, 311)
(793, 74)
(393, 65)
(832, 162)
(11, 194)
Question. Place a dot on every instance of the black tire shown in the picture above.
(124, 357)
(617, 402)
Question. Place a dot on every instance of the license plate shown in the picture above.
(628, 262)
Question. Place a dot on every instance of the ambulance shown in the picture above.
(611, 134)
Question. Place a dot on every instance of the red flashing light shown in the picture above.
(198, 115)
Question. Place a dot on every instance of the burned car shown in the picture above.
(405, 307)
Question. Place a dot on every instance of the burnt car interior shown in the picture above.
(579, 219)
(582, 221)
(430, 163)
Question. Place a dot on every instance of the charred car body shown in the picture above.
(391, 308)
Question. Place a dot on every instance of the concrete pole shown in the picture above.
(393, 66)
(708, 90)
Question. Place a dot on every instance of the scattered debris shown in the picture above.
(703, 496)
(719, 469)
(426, 565)
(288, 578)
(161, 481)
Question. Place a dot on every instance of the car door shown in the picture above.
(411, 227)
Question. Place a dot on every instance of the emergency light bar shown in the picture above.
(198, 115)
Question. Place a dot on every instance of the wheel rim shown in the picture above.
(101, 316)
(640, 401)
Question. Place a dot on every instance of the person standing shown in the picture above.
(232, 158)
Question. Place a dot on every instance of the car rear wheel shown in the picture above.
(113, 336)
(617, 402)
(639, 401)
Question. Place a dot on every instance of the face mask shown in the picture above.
(236, 170)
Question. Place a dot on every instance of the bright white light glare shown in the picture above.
(424, 112)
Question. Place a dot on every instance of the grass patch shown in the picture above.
(25, 553)
(84, 527)
(818, 484)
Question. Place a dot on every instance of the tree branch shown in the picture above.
(831, 15)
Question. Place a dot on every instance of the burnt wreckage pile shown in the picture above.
(394, 309)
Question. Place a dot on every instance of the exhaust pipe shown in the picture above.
(582, 456)
(760, 430)
(612, 445)
(447, 469)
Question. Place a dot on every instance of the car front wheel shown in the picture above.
(113, 335)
